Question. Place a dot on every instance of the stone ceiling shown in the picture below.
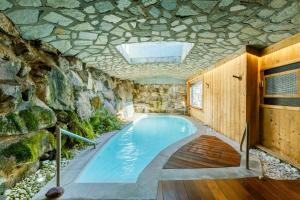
(90, 29)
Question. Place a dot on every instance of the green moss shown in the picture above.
(43, 114)
(11, 123)
(36, 116)
(19, 150)
(30, 119)
(14, 119)
(52, 140)
(29, 149)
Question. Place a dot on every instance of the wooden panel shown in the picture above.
(280, 125)
(204, 152)
(234, 102)
(252, 97)
(224, 106)
(230, 189)
(280, 131)
(207, 79)
(216, 98)
(281, 57)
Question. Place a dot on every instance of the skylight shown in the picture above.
(155, 52)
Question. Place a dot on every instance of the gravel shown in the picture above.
(275, 168)
(30, 185)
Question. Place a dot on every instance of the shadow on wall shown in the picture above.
(160, 98)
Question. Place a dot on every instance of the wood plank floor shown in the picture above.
(204, 152)
(230, 189)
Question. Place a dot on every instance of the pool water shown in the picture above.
(124, 157)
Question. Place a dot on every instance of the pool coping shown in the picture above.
(147, 183)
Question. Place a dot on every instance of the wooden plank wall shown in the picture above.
(284, 56)
(224, 103)
(280, 129)
(280, 125)
(253, 97)
(229, 103)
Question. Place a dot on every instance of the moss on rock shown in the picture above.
(30, 120)
(37, 117)
(18, 150)
(11, 124)
(31, 148)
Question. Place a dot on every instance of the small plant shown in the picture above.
(103, 121)
(80, 127)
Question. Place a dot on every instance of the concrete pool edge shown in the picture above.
(146, 186)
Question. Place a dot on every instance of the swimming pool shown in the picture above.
(123, 158)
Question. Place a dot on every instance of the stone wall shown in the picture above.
(38, 87)
(40, 84)
(165, 98)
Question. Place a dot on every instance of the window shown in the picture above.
(155, 52)
(196, 92)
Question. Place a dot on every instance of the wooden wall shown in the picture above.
(228, 102)
(280, 129)
(279, 55)
(224, 97)
(280, 125)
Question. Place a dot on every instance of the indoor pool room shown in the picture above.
(149, 99)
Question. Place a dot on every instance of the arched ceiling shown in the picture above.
(90, 29)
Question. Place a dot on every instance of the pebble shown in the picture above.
(32, 184)
(275, 168)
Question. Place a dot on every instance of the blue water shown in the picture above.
(123, 158)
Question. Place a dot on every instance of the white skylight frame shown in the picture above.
(155, 52)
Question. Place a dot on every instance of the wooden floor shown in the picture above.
(204, 152)
(231, 189)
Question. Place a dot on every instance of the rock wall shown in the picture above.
(166, 98)
(38, 87)
(33, 89)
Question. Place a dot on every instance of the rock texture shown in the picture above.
(37, 86)
(90, 30)
(159, 98)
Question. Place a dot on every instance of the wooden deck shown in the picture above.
(231, 189)
(204, 152)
